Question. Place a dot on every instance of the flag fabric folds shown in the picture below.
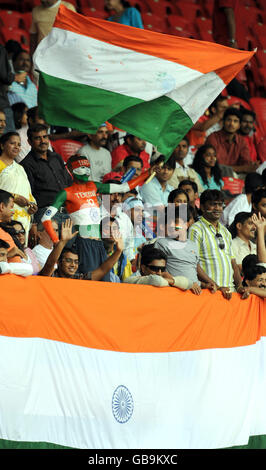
(153, 85)
(158, 369)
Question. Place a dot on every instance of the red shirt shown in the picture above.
(251, 145)
(122, 151)
(235, 153)
(219, 23)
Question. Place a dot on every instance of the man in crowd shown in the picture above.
(191, 189)
(45, 169)
(6, 212)
(258, 200)
(45, 245)
(98, 156)
(43, 17)
(231, 148)
(243, 231)
(131, 161)
(248, 132)
(132, 146)
(214, 243)
(183, 171)
(156, 192)
(25, 89)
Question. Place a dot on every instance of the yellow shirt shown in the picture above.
(43, 18)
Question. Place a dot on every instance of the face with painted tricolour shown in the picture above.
(81, 169)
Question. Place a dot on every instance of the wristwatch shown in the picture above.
(231, 41)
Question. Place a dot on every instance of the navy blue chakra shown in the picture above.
(122, 404)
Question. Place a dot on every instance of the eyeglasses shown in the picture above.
(156, 269)
(20, 231)
(220, 240)
(69, 260)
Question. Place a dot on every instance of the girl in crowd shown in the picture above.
(13, 178)
(123, 13)
(206, 165)
(21, 124)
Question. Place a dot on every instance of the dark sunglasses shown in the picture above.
(156, 269)
(20, 231)
(220, 240)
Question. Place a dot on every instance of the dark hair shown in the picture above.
(216, 101)
(258, 195)
(211, 195)
(4, 244)
(132, 158)
(36, 128)
(249, 261)
(32, 113)
(199, 165)
(173, 194)
(184, 138)
(232, 112)
(170, 163)
(253, 181)
(240, 218)
(9, 228)
(252, 271)
(190, 183)
(249, 113)
(178, 213)
(12, 46)
(5, 138)
(18, 111)
(71, 249)
(5, 196)
(149, 254)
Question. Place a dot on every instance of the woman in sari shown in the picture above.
(13, 179)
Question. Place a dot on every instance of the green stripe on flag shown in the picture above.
(161, 122)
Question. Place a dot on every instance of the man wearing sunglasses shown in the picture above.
(214, 243)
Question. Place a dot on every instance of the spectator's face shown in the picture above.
(261, 207)
(247, 229)
(22, 62)
(12, 147)
(2, 122)
(190, 192)
(181, 150)
(115, 198)
(20, 233)
(177, 229)
(180, 199)
(69, 264)
(136, 215)
(7, 211)
(3, 255)
(259, 281)
(136, 144)
(110, 231)
(40, 142)
(100, 138)
(157, 266)
(137, 166)
(164, 174)
(247, 124)
(212, 210)
(209, 158)
(231, 124)
(221, 106)
(112, 4)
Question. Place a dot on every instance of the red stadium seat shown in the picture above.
(259, 106)
(189, 10)
(153, 22)
(234, 101)
(181, 27)
(204, 26)
(141, 5)
(161, 8)
(95, 13)
(233, 185)
(66, 147)
(17, 34)
(26, 20)
(10, 18)
(10, 5)
(207, 7)
(97, 4)
(261, 57)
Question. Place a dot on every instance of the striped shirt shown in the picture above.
(215, 261)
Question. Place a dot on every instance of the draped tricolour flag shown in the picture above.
(153, 85)
(94, 365)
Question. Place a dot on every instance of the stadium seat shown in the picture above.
(141, 5)
(154, 22)
(204, 26)
(259, 106)
(248, 15)
(207, 7)
(189, 10)
(259, 32)
(10, 18)
(261, 57)
(181, 27)
(26, 20)
(94, 13)
(17, 34)
(233, 185)
(97, 4)
(10, 5)
(66, 147)
(161, 8)
(234, 100)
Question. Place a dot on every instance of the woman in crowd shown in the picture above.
(21, 124)
(124, 13)
(14, 179)
(207, 167)
(178, 196)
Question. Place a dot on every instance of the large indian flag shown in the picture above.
(93, 365)
(153, 85)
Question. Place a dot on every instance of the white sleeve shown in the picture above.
(21, 269)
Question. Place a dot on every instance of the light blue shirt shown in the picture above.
(212, 184)
(130, 17)
(28, 94)
(152, 193)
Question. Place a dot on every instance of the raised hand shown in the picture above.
(66, 231)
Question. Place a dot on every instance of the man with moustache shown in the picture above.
(231, 148)
(98, 156)
(214, 243)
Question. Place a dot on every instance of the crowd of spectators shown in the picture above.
(118, 210)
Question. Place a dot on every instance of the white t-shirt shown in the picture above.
(100, 160)
(42, 254)
(239, 204)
